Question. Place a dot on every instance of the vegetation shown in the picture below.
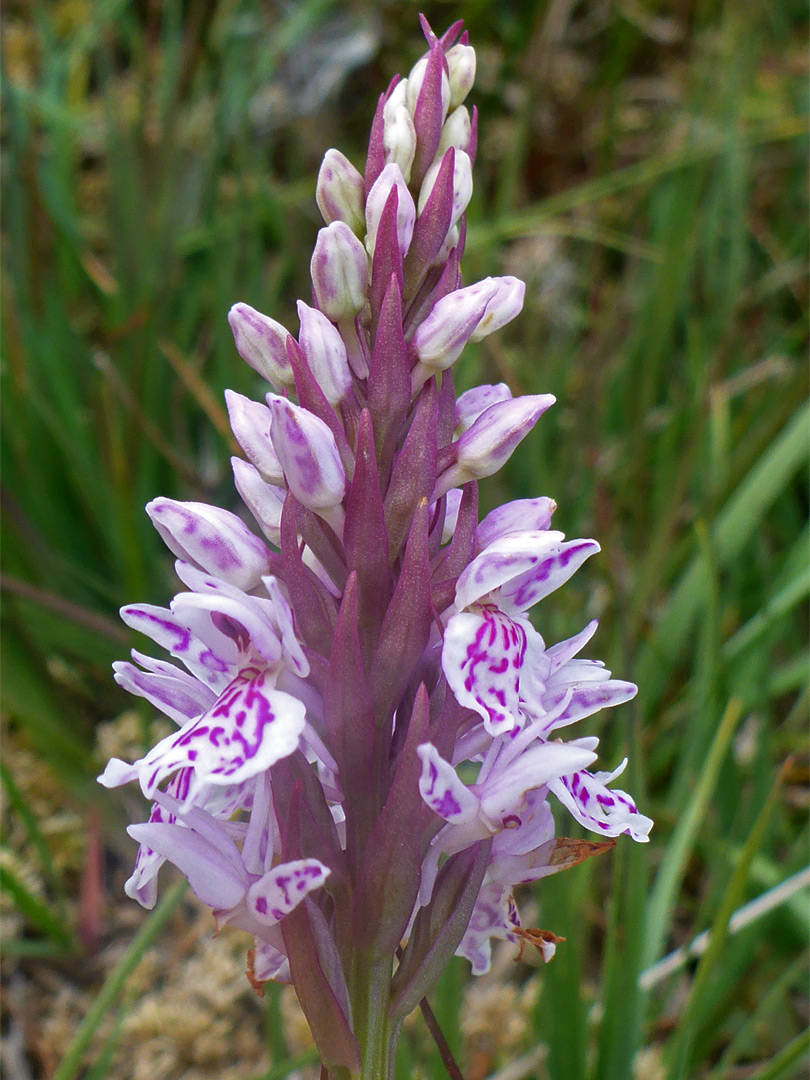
(642, 167)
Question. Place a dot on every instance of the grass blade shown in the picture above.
(785, 1062)
(735, 524)
(150, 931)
(665, 890)
(34, 910)
(689, 1019)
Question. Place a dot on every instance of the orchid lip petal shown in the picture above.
(281, 889)
(442, 790)
(247, 729)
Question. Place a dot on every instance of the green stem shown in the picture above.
(370, 992)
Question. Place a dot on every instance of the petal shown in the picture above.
(248, 729)
(481, 657)
(563, 651)
(586, 699)
(500, 562)
(142, 883)
(609, 813)
(269, 963)
(167, 690)
(217, 619)
(211, 876)
(251, 422)
(116, 773)
(518, 516)
(442, 790)
(169, 632)
(519, 569)
(505, 789)
(214, 539)
(488, 920)
(556, 565)
(453, 505)
(472, 403)
(293, 653)
(283, 888)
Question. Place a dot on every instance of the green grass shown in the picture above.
(645, 174)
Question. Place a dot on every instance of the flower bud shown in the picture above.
(414, 85)
(339, 269)
(439, 339)
(396, 98)
(399, 138)
(461, 62)
(310, 459)
(489, 443)
(455, 131)
(325, 353)
(261, 342)
(462, 185)
(340, 192)
(451, 514)
(264, 501)
(446, 249)
(212, 539)
(250, 423)
(473, 402)
(502, 308)
(391, 176)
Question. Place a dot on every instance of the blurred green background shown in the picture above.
(642, 166)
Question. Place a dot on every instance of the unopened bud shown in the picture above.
(488, 444)
(261, 342)
(473, 402)
(325, 353)
(455, 132)
(452, 508)
(390, 177)
(438, 340)
(310, 459)
(340, 192)
(339, 269)
(451, 240)
(250, 423)
(397, 97)
(211, 539)
(461, 62)
(415, 80)
(462, 185)
(264, 501)
(399, 138)
(502, 308)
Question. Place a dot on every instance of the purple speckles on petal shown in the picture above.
(480, 655)
(224, 748)
(284, 887)
(598, 808)
(446, 806)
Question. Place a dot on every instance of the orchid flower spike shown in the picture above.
(370, 731)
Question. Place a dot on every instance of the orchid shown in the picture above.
(368, 721)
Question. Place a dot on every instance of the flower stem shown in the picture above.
(370, 993)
